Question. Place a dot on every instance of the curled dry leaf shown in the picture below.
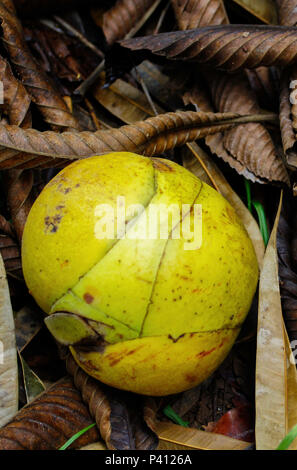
(191, 14)
(118, 415)
(48, 100)
(250, 145)
(150, 137)
(248, 149)
(123, 16)
(8, 356)
(226, 47)
(49, 421)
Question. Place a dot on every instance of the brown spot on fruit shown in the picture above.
(205, 353)
(160, 165)
(52, 223)
(88, 298)
(190, 378)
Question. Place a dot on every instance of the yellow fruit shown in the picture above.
(142, 314)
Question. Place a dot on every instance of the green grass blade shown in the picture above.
(76, 436)
(248, 194)
(170, 413)
(262, 221)
(287, 441)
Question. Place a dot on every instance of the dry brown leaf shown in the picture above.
(150, 137)
(271, 364)
(287, 12)
(265, 10)
(250, 145)
(8, 356)
(48, 100)
(122, 18)
(248, 149)
(174, 437)
(11, 255)
(49, 421)
(201, 160)
(124, 101)
(16, 99)
(228, 47)
(193, 14)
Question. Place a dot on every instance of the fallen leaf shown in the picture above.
(287, 13)
(32, 383)
(150, 137)
(241, 146)
(237, 423)
(193, 14)
(49, 421)
(50, 103)
(228, 47)
(8, 356)
(174, 437)
(275, 385)
(16, 99)
(124, 18)
(124, 101)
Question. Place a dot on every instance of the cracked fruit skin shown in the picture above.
(141, 315)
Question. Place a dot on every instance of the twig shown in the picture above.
(86, 84)
(79, 36)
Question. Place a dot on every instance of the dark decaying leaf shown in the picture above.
(119, 415)
(122, 17)
(226, 47)
(150, 137)
(286, 246)
(16, 99)
(49, 421)
(38, 85)
(237, 423)
(191, 14)
(28, 323)
(287, 12)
